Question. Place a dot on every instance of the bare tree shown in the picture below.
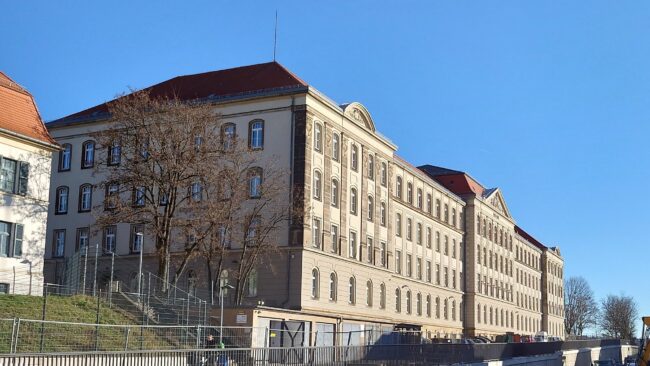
(174, 168)
(619, 316)
(580, 308)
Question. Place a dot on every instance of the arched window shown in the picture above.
(114, 153)
(315, 284)
(429, 203)
(398, 224)
(371, 167)
(384, 174)
(369, 293)
(88, 154)
(418, 233)
(409, 192)
(256, 134)
(408, 301)
(371, 208)
(335, 193)
(354, 157)
(453, 310)
(409, 228)
(429, 306)
(85, 197)
(318, 136)
(382, 214)
(446, 309)
(353, 201)
(336, 146)
(398, 300)
(352, 291)
(398, 187)
(65, 157)
(333, 286)
(437, 307)
(491, 316)
(228, 136)
(251, 283)
(255, 182)
(446, 213)
(438, 209)
(62, 200)
(418, 304)
(419, 198)
(317, 185)
(382, 296)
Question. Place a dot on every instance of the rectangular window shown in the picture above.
(58, 246)
(437, 274)
(453, 278)
(112, 191)
(438, 241)
(409, 228)
(114, 154)
(5, 238)
(137, 238)
(428, 270)
(398, 262)
(369, 249)
(82, 239)
(7, 174)
(382, 254)
(19, 230)
(446, 273)
(316, 234)
(334, 231)
(23, 178)
(352, 250)
(138, 196)
(428, 237)
(409, 268)
(398, 224)
(4, 288)
(110, 240)
(418, 268)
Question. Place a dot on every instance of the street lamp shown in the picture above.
(27, 261)
(139, 240)
(222, 288)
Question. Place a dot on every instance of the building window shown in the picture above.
(418, 233)
(114, 154)
(112, 196)
(438, 209)
(334, 232)
(196, 193)
(352, 249)
(408, 301)
(398, 224)
(318, 136)
(137, 238)
(371, 167)
(228, 136)
(453, 217)
(382, 296)
(384, 174)
(354, 157)
(398, 187)
(335, 193)
(353, 201)
(371, 208)
(88, 154)
(256, 134)
(333, 286)
(409, 264)
(437, 308)
(398, 262)
(382, 254)
(428, 237)
(61, 200)
(429, 203)
(315, 284)
(382, 214)
(409, 229)
(317, 185)
(446, 274)
(428, 271)
(336, 146)
(453, 310)
(83, 238)
(5, 239)
(255, 183)
(418, 268)
(369, 249)
(446, 309)
(446, 213)
(409, 192)
(19, 231)
(8, 174)
(418, 304)
(251, 284)
(316, 234)
(352, 291)
(110, 239)
(429, 306)
(398, 300)
(419, 198)
(437, 274)
(85, 197)
(446, 245)
(58, 246)
(65, 157)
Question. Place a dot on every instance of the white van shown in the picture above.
(541, 336)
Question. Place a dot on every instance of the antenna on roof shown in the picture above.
(275, 35)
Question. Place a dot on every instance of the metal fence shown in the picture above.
(430, 354)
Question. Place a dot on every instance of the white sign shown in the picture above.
(241, 319)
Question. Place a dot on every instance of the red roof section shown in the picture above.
(18, 112)
(460, 184)
(243, 80)
(529, 237)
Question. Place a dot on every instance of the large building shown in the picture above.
(382, 245)
(25, 157)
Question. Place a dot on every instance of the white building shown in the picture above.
(25, 159)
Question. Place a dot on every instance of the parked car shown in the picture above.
(609, 362)
(541, 336)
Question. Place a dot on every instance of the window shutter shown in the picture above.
(23, 177)
(18, 240)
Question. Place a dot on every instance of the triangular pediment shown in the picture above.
(496, 200)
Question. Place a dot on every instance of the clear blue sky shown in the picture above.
(548, 100)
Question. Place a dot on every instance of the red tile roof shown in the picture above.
(18, 112)
(529, 237)
(239, 81)
(454, 180)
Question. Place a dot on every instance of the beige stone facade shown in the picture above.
(382, 244)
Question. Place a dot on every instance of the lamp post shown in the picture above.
(27, 261)
(222, 288)
(139, 240)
